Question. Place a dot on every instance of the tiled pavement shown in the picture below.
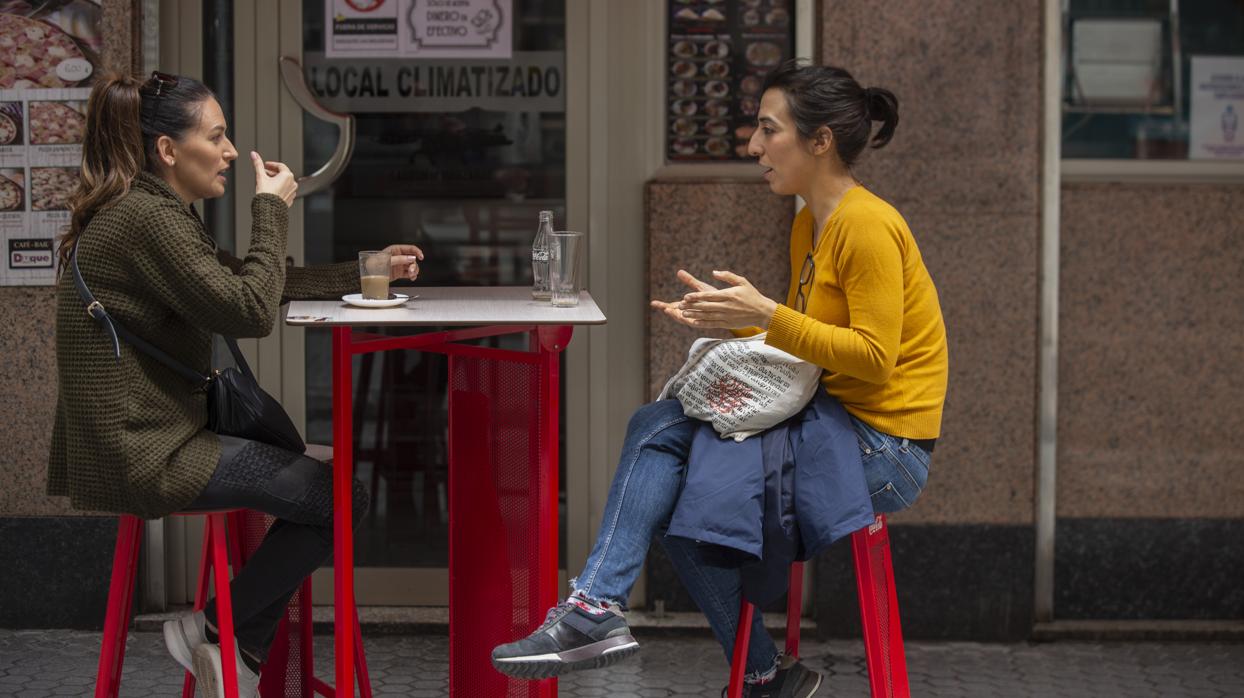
(62, 663)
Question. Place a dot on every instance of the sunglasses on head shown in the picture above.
(157, 86)
(160, 83)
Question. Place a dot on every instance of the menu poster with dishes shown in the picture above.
(49, 52)
(719, 54)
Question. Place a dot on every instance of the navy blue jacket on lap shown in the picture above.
(777, 497)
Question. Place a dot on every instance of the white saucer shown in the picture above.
(394, 300)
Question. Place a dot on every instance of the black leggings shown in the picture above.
(298, 491)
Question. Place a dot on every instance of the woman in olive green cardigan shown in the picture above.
(130, 434)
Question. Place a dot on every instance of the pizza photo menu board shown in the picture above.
(717, 55)
(49, 52)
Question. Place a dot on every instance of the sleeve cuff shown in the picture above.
(321, 281)
(785, 328)
(346, 276)
(270, 212)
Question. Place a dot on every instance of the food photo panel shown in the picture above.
(12, 189)
(718, 52)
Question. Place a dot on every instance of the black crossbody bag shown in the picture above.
(236, 405)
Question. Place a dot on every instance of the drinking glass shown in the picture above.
(374, 274)
(565, 274)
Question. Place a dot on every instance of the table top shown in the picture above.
(449, 305)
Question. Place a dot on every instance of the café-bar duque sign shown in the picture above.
(529, 81)
(418, 28)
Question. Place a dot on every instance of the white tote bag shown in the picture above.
(742, 385)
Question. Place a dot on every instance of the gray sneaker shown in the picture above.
(795, 681)
(572, 637)
(210, 673)
(183, 635)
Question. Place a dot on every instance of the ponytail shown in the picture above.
(112, 154)
(883, 107)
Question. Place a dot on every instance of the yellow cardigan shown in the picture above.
(873, 321)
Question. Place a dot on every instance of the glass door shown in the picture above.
(458, 157)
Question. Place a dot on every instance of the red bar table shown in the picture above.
(503, 432)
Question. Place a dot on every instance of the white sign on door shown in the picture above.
(1217, 103)
(361, 27)
(451, 29)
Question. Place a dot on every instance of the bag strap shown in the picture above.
(238, 358)
(97, 311)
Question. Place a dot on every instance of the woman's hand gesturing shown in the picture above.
(739, 305)
(273, 177)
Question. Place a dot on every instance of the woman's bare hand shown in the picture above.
(736, 306)
(273, 177)
(404, 262)
(674, 309)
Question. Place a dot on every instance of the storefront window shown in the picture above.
(458, 156)
(1152, 79)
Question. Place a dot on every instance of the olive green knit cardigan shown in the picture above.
(130, 434)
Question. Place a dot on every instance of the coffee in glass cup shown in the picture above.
(374, 274)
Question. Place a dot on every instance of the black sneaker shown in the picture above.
(795, 681)
(571, 638)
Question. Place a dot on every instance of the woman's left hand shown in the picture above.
(404, 261)
(737, 306)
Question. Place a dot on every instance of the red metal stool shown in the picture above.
(883, 638)
(280, 676)
(217, 539)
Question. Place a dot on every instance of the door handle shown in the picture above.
(296, 83)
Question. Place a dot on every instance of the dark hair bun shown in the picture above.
(883, 107)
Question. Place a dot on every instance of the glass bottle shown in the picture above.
(540, 289)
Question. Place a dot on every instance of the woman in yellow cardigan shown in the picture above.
(861, 305)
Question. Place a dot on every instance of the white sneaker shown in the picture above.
(209, 670)
(183, 635)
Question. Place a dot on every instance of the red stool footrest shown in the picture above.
(883, 637)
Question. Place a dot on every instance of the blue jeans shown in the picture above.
(645, 489)
(895, 468)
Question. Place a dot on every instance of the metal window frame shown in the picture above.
(1047, 395)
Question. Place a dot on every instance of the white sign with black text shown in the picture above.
(434, 29)
(1217, 101)
(361, 27)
